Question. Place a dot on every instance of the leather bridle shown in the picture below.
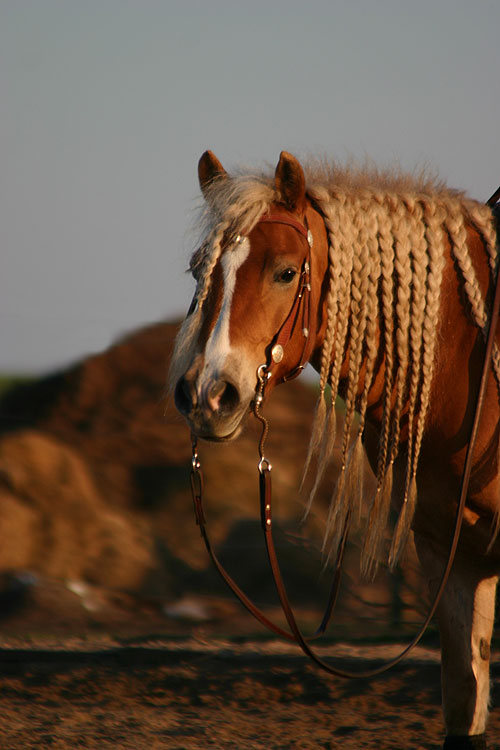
(301, 305)
(264, 372)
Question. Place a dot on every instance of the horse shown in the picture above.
(398, 274)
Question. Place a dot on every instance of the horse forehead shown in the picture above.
(265, 241)
(232, 260)
(278, 236)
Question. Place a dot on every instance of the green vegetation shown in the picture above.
(7, 381)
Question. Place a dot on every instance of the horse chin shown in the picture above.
(222, 438)
(218, 433)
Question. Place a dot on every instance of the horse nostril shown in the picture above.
(184, 396)
(223, 396)
(230, 398)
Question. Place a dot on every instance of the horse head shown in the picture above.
(258, 284)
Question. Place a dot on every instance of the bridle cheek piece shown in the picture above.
(301, 303)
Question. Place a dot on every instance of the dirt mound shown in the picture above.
(94, 487)
(54, 520)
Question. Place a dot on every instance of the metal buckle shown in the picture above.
(265, 465)
(263, 374)
(195, 462)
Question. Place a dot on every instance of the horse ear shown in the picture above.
(209, 169)
(290, 182)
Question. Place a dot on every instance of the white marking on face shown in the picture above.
(218, 346)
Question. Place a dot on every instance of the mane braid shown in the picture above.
(340, 254)
(379, 511)
(323, 435)
(455, 225)
(402, 264)
(347, 492)
(419, 264)
(388, 235)
(407, 233)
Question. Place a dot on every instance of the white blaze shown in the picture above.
(218, 345)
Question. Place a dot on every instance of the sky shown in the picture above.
(107, 105)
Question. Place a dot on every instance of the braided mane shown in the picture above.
(388, 234)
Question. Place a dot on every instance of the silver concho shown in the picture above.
(277, 353)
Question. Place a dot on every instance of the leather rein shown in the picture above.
(302, 305)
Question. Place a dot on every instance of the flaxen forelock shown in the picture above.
(387, 237)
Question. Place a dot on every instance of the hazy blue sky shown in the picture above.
(106, 106)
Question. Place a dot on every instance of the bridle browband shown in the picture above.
(264, 372)
(288, 221)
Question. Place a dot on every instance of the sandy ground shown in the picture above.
(99, 550)
(199, 692)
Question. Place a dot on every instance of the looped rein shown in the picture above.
(265, 489)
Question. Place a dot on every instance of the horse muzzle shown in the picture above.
(212, 407)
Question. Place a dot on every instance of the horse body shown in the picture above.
(447, 433)
(405, 351)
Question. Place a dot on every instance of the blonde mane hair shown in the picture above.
(388, 235)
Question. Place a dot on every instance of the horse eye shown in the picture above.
(287, 276)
